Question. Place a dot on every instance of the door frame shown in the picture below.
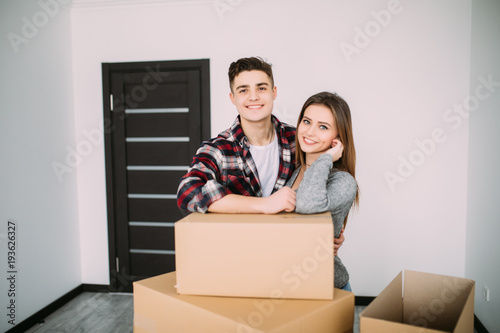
(119, 280)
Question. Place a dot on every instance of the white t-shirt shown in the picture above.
(267, 160)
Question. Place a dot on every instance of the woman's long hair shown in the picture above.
(342, 115)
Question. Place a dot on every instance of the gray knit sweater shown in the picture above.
(322, 189)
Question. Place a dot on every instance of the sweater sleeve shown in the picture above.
(322, 190)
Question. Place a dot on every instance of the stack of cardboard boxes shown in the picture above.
(247, 274)
(274, 273)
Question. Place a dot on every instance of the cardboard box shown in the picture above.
(427, 303)
(158, 308)
(255, 255)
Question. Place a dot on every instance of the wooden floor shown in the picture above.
(91, 312)
(103, 313)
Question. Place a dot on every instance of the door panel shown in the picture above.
(146, 237)
(153, 210)
(157, 124)
(159, 113)
(159, 153)
(155, 182)
(150, 264)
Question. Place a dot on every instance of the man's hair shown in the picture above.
(249, 64)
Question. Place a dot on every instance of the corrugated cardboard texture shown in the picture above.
(389, 304)
(255, 255)
(431, 303)
(434, 301)
(158, 308)
(466, 321)
(372, 325)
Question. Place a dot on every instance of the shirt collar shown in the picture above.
(239, 136)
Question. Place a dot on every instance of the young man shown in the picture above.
(245, 168)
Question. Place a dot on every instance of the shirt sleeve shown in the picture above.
(320, 192)
(199, 187)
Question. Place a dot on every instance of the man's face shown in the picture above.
(253, 95)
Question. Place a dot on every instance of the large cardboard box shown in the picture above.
(255, 255)
(423, 303)
(158, 308)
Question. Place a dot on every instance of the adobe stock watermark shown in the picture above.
(12, 272)
(454, 116)
(363, 36)
(95, 137)
(223, 6)
(427, 314)
(293, 279)
(285, 115)
(30, 26)
(84, 147)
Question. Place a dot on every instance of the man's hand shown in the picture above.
(337, 242)
(282, 200)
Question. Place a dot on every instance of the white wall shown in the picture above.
(36, 126)
(404, 82)
(483, 227)
(400, 84)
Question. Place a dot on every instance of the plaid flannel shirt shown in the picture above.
(224, 165)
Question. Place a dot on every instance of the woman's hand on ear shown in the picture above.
(336, 150)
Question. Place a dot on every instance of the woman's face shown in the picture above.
(317, 130)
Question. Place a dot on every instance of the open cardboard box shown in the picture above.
(423, 303)
(158, 308)
(255, 255)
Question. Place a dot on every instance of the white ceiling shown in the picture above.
(89, 4)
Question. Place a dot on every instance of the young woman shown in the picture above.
(326, 159)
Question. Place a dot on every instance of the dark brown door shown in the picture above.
(155, 116)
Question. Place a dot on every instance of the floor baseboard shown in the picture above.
(478, 326)
(96, 288)
(39, 316)
(363, 300)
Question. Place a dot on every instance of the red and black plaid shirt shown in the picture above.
(224, 165)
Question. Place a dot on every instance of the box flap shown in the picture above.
(341, 319)
(434, 301)
(256, 315)
(373, 325)
(389, 304)
(465, 323)
(156, 306)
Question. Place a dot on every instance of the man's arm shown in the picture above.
(198, 188)
(200, 191)
(279, 201)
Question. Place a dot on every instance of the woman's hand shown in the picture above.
(282, 200)
(336, 150)
(337, 242)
